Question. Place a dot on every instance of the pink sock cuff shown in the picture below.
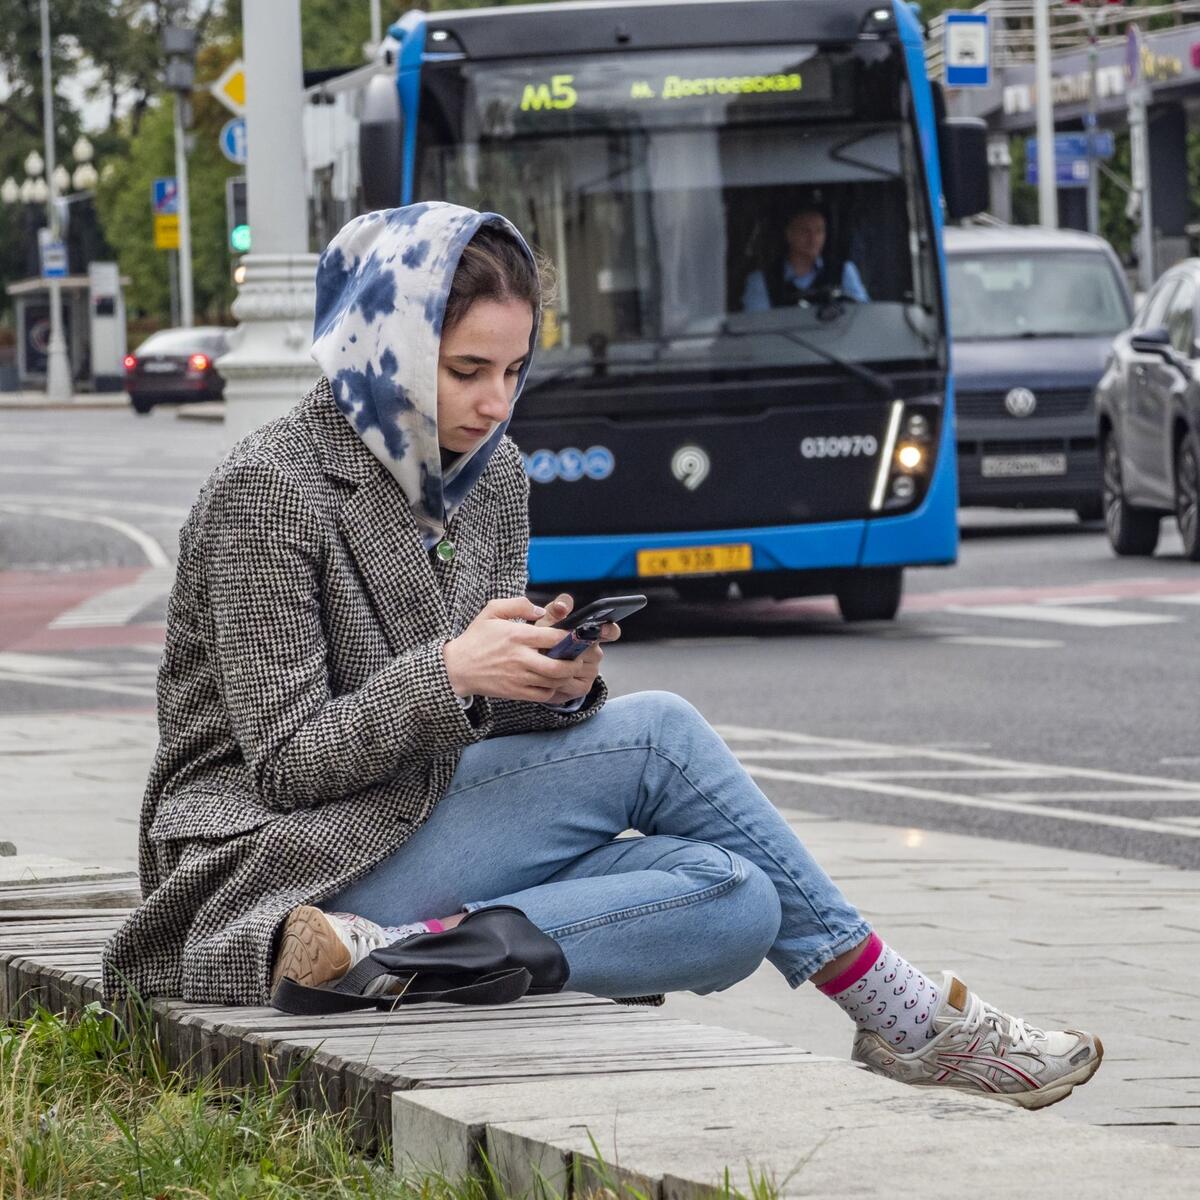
(434, 925)
(857, 969)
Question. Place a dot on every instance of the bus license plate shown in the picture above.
(696, 560)
(1020, 466)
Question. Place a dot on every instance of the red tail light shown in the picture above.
(130, 362)
(198, 362)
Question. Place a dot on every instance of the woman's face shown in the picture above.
(478, 366)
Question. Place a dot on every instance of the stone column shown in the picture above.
(269, 368)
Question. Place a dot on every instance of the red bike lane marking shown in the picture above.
(1116, 589)
(31, 600)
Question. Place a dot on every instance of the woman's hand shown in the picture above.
(588, 663)
(498, 656)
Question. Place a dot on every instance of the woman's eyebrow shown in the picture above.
(476, 360)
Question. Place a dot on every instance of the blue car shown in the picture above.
(1033, 314)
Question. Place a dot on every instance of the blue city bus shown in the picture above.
(702, 412)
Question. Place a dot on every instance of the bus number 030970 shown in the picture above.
(849, 446)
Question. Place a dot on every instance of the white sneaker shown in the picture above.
(318, 948)
(982, 1050)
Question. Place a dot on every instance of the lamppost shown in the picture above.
(58, 366)
(269, 367)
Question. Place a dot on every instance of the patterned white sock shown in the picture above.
(883, 992)
(400, 933)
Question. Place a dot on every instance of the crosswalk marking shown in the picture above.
(1063, 614)
(909, 780)
(119, 605)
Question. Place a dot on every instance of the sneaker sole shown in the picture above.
(1061, 1088)
(309, 950)
(1043, 1097)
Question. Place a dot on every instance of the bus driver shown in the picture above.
(802, 268)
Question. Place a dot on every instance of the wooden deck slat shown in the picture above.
(353, 1062)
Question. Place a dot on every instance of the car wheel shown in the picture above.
(141, 405)
(1131, 531)
(1187, 496)
(871, 595)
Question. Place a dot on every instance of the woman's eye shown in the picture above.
(515, 370)
(463, 375)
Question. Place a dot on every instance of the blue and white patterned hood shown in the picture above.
(382, 285)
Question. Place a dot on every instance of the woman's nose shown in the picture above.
(496, 402)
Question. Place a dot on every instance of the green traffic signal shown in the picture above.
(239, 239)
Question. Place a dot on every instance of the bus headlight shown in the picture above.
(909, 452)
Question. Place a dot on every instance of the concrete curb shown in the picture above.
(208, 410)
(821, 1128)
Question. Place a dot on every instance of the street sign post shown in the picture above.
(53, 255)
(232, 140)
(1070, 157)
(164, 197)
(166, 231)
(968, 49)
(230, 88)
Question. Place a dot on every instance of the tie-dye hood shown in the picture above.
(382, 286)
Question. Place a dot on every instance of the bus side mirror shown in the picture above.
(962, 147)
(381, 144)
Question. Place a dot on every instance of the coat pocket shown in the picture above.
(193, 813)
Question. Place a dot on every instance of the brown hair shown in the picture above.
(495, 267)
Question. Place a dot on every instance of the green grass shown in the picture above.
(90, 1108)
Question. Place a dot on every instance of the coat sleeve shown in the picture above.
(263, 562)
(511, 578)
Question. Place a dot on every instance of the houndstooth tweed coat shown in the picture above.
(307, 726)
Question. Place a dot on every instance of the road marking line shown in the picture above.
(118, 605)
(1062, 615)
(935, 773)
(813, 755)
(1067, 601)
(95, 685)
(901, 791)
(1182, 598)
(49, 664)
(150, 548)
(1008, 643)
(745, 732)
(172, 512)
(1124, 797)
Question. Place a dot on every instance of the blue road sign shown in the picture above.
(1070, 156)
(53, 255)
(164, 197)
(968, 49)
(232, 140)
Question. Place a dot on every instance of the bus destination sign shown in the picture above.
(648, 89)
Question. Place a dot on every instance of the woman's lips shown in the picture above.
(475, 433)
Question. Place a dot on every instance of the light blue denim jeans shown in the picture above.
(717, 883)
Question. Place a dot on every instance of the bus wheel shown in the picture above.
(872, 594)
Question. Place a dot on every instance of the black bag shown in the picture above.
(493, 956)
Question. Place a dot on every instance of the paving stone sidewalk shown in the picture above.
(1056, 936)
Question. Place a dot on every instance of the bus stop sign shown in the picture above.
(968, 49)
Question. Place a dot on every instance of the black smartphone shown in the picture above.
(584, 624)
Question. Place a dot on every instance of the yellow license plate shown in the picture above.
(695, 560)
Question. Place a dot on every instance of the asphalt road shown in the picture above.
(1040, 691)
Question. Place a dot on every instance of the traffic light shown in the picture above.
(236, 222)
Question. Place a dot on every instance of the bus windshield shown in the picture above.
(703, 210)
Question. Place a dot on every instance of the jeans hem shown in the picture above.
(827, 954)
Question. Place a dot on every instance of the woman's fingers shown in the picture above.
(518, 608)
(558, 609)
(610, 632)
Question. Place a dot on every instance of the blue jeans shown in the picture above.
(717, 883)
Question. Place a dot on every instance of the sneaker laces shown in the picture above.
(1020, 1033)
